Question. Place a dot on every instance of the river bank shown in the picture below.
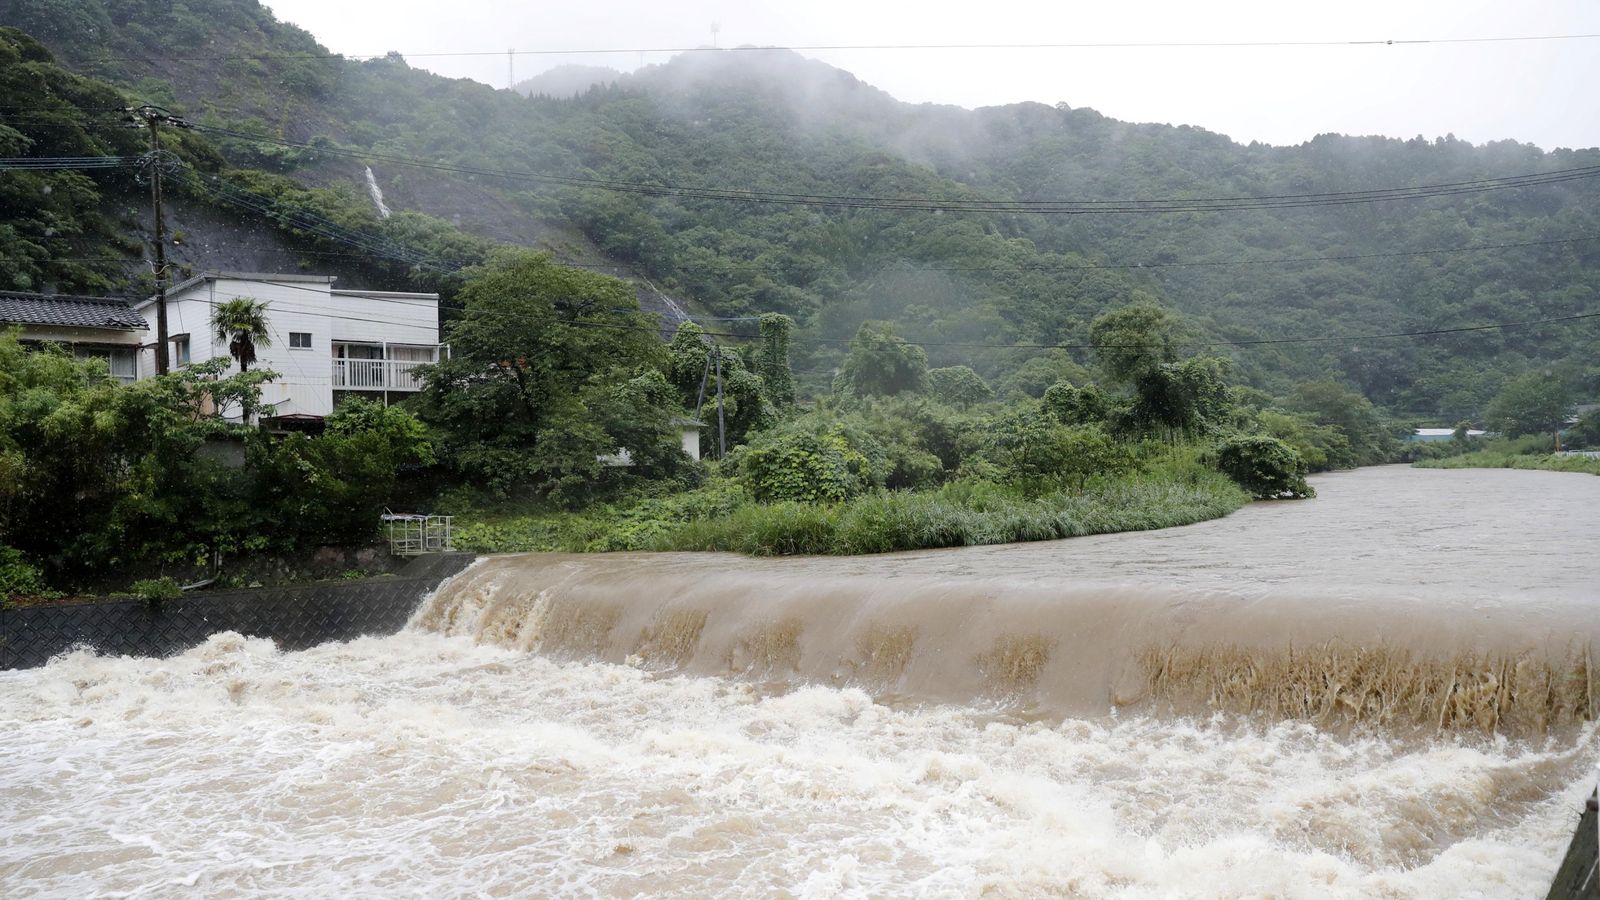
(1549, 462)
(963, 513)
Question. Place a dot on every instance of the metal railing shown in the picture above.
(410, 535)
(377, 374)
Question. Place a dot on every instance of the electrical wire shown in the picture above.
(926, 204)
(951, 204)
(899, 266)
(1245, 343)
(50, 163)
(1035, 45)
(903, 266)
(314, 224)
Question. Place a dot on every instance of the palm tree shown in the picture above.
(242, 323)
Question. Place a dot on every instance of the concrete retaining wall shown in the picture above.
(1578, 878)
(294, 617)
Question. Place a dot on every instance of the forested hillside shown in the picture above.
(654, 176)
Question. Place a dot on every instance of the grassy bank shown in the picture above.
(1490, 459)
(722, 517)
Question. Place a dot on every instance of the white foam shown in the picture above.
(431, 765)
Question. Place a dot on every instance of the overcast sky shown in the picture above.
(1542, 92)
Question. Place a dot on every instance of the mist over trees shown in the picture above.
(977, 283)
(884, 377)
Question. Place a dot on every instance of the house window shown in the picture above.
(180, 350)
(124, 365)
(122, 362)
(300, 340)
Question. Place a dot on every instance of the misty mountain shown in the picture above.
(603, 171)
(565, 82)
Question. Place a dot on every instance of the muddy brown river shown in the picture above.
(1384, 692)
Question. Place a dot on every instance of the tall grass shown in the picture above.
(1173, 491)
(1489, 459)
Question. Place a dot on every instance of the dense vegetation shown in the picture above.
(1527, 441)
(1004, 282)
(85, 231)
(100, 478)
(551, 427)
(890, 378)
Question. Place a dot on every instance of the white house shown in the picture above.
(325, 342)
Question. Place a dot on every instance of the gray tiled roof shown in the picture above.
(72, 312)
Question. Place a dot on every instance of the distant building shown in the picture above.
(688, 434)
(106, 329)
(326, 343)
(1426, 435)
(688, 437)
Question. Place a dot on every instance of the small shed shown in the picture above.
(689, 432)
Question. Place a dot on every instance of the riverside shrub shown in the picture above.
(814, 466)
(17, 576)
(1265, 466)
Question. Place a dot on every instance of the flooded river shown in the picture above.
(1384, 692)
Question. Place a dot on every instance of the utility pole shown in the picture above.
(511, 68)
(722, 424)
(154, 117)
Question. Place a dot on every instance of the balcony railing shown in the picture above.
(377, 374)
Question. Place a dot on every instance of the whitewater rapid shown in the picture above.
(509, 744)
(433, 766)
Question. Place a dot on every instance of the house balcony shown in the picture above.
(383, 367)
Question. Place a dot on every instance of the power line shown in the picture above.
(312, 223)
(952, 204)
(1245, 343)
(46, 163)
(1036, 45)
(1222, 343)
(931, 204)
(904, 266)
(894, 265)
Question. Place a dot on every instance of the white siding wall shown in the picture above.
(401, 318)
(66, 335)
(305, 382)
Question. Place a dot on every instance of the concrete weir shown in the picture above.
(1579, 876)
(293, 617)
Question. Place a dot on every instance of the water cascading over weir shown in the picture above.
(1037, 645)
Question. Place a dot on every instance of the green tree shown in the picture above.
(18, 576)
(1265, 466)
(882, 364)
(920, 440)
(692, 364)
(331, 489)
(1038, 373)
(1330, 403)
(1070, 405)
(95, 475)
(1585, 433)
(811, 462)
(1182, 398)
(776, 373)
(1039, 454)
(538, 349)
(958, 386)
(1319, 446)
(241, 323)
(1533, 403)
(1134, 341)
